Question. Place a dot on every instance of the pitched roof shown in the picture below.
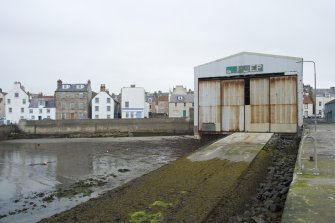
(324, 92)
(330, 102)
(49, 102)
(73, 88)
(307, 99)
(184, 98)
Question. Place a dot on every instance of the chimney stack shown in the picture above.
(59, 83)
(102, 87)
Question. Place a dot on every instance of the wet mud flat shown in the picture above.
(186, 191)
(41, 177)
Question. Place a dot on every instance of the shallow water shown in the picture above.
(30, 170)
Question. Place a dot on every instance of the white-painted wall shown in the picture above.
(320, 104)
(101, 108)
(133, 103)
(16, 106)
(41, 113)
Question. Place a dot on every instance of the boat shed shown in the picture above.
(249, 92)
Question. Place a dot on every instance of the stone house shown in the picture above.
(73, 101)
(16, 103)
(181, 102)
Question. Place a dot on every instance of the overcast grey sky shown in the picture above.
(154, 43)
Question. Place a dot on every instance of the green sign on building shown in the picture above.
(244, 69)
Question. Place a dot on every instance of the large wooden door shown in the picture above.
(232, 102)
(257, 112)
(283, 104)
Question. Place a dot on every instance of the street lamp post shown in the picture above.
(311, 61)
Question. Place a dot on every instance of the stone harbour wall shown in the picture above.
(107, 127)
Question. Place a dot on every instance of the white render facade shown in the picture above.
(16, 103)
(323, 96)
(42, 108)
(103, 106)
(133, 103)
(2, 104)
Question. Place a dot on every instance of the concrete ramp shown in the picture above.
(236, 147)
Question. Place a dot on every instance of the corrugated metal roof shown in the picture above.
(253, 53)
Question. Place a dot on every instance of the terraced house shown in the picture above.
(73, 101)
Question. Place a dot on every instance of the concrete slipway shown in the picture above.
(186, 190)
(311, 197)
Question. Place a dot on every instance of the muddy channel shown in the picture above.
(41, 177)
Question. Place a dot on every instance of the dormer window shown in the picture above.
(65, 86)
(80, 86)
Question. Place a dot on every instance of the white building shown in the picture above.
(2, 104)
(180, 102)
(103, 105)
(308, 106)
(42, 107)
(322, 97)
(133, 103)
(17, 102)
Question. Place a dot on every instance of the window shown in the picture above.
(96, 116)
(96, 108)
(40, 102)
(175, 104)
(108, 116)
(22, 110)
(24, 101)
(108, 108)
(127, 114)
(150, 106)
(81, 105)
(72, 106)
(126, 104)
(192, 104)
(21, 117)
(320, 112)
(40, 111)
(131, 115)
(306, 106)
(30, 111)
(108, 100)
(10, 110)
(65, 86)
(64, 105)
(16, 95)
(63, 116)
(48, 117)
(72, 96)
(184, 104)
(63, 96)
(320, 103)
(81, 95)
(48, 110)
(8, 101)
(80, 86)
(96, 100)
(33, 117)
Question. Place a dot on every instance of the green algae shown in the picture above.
(143, 217)
(161, 204)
